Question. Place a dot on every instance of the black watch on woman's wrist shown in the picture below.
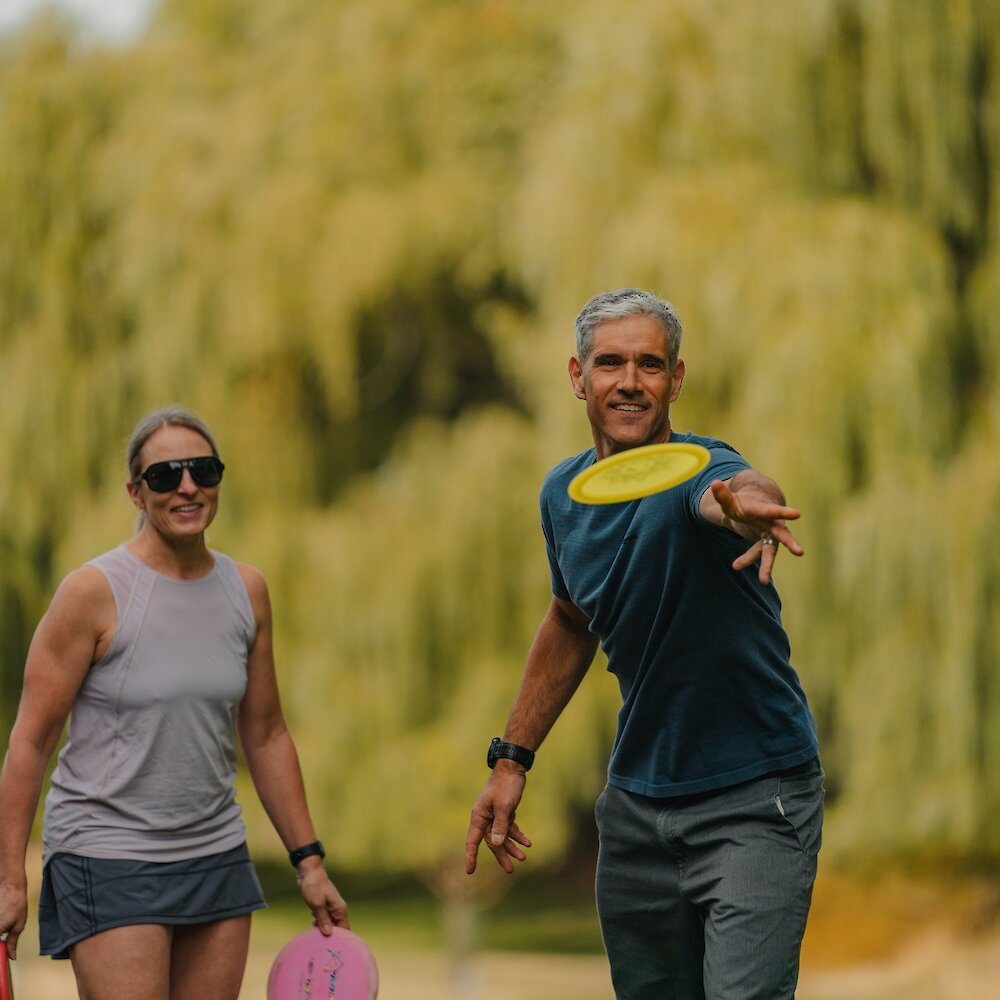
(306, 851)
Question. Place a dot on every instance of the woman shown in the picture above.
(161, 650)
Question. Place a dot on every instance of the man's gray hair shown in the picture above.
(620, 304)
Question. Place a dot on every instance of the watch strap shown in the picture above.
(306, 851)
(509, 751)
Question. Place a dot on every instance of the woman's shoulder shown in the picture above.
(84, 593)
(87, 580)
(253, 579)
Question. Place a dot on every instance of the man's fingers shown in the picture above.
(747, 558)
(498, 844)
(472, 842)
(513, 851)
(749, 508)
(507, 853)
(768, 553)
(724, 497)
(503, 859)
(480, 829)
(505, 839)
(765, 550)
(516, 834)
(792, 543)
(511, 845)
(780, 535)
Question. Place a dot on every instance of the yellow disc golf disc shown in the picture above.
(638, 472)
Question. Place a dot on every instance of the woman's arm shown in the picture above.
(274, 764)
(73, 633)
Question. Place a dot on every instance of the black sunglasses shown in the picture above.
(165, 477)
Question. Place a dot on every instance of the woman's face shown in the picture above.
(188, 510)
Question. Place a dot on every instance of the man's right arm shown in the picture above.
(560, 656)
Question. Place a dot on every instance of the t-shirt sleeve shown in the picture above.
(558, 583)
(724, 463)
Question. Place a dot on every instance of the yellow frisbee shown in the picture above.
(638, 472)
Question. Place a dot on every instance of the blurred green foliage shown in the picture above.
(548, 911)
(354, 236)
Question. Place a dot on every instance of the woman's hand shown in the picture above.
(321, 896)
(13, 913)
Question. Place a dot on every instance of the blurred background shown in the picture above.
(353, 237)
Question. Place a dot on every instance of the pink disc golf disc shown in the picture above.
(314, 967)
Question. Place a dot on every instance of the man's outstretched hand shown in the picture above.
(753, 512)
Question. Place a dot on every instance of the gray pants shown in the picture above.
(707, 896)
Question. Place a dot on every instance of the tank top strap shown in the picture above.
(132, 585)
(236, 591)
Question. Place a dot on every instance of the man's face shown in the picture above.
(627, 384)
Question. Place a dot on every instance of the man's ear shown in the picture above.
(676, 380)
(576, 377)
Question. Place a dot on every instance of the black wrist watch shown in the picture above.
(509, 751)
(307, 851)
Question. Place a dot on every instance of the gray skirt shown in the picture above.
(81, 896)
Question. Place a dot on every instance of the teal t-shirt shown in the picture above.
(709, 696)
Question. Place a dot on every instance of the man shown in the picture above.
(710, 822)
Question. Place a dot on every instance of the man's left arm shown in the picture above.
(753, 506)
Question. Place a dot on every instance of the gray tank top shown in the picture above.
(148, 768)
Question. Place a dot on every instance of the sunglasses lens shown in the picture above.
(206, 471)
(162, 477)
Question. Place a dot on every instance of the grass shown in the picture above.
(857, 915)
(544, 912)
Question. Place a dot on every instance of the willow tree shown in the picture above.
(814, 188)
(354, 238)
